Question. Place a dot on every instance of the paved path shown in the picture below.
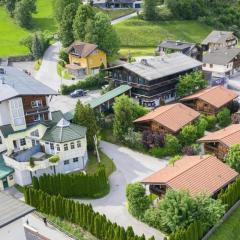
(49, 231)
(131, 167)
(118, 20)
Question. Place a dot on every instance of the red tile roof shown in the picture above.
(194, 174)
(227, 136)
(217, 96)
(173, 116)
(82, 49)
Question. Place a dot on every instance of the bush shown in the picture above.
(233, 157)
(211, 122)
(158, 152)
(224, 117)
(63, 56)
(201, 127)
(172, 145)
(75, 184)
(192, 150)
(133, 139)
(138, 202)
(54, 159)
(90, 82)
(235, 118)
(150, 139)
(188, 134)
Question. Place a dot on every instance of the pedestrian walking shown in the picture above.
(45, 221)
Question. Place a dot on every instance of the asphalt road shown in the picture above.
(131, 167)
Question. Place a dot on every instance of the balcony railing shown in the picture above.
(33, 111)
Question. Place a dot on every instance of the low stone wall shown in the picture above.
(223, 219)
(25, 58)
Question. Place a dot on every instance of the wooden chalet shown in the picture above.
(167, 119)
(195, 174)
(210, 100)
(154, 78)
(220, 141)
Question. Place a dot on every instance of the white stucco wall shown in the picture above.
(13, 231)
(4, 113)
(218, 70)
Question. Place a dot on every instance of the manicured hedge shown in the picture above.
(231, 194)
(80, 214)
(75, 184)
(91, 82)
(195, 231)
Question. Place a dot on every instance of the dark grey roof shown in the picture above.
(177, 45)
(18, 83)
(157, 67)
(67, 133)
(57, 116)
(12, 209)
(221, 56)
(217, 37)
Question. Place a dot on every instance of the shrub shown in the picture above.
(201, 127)
(211, 122)
(158, 152)
(233, 157)
(235, 118)
(63, 56)
(174, 159)
(192, 150)
(138, 202)
(224, 117)
(233, 106)
(150, 139)
(172, 145)
(31, 162)
(54, 159)
(133, 139)
(188, 134)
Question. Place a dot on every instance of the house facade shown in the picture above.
(219, 39)
(85, 58)
(219, 142)
(223, 62)
(153, 79)
(210, 100)
(189, 49)
(116, 3)
(26, 124)
(161, 119)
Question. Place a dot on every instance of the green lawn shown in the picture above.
(11, 33)
(92, 165)
(229, 229)
(142, 37)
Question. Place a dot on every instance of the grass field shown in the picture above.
(229, 229)
(142, 37)
(11, 33)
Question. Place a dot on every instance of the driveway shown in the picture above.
(131, 167)
(118, 20)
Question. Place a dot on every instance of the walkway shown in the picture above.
(131, 167)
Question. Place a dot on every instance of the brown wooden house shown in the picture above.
(210, 100)
(167, 119)
(195, 174)
(220, 141)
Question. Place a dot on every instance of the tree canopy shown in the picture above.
(190, 83)
(233, 157)
(125, 112)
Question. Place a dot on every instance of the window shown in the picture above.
(66, 162)
(65, 146)
(35, 133)
(51, 146)
(211, 65)
(37, 117)
(78, 144)
(1, 142)
(58, 147)
(10, 177)
(33, 142)
(22, 141)
(75, 159)
(72, 145)
(36, 103)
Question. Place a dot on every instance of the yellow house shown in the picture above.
(85, 58)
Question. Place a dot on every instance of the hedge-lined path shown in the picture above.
(131, 167)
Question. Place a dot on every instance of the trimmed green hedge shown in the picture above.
(75, 184)
(91, 82)
(231, 194)
(80, 214)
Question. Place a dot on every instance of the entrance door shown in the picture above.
(5, 183)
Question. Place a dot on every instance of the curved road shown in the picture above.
(131, 167)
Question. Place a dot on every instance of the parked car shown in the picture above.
(78, 93)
